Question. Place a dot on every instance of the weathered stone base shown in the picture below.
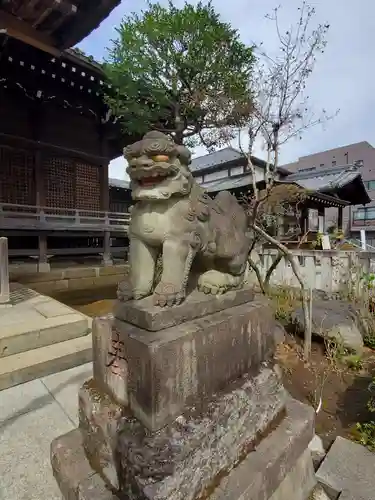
(300, 481)
(279, 468)
(212, 439)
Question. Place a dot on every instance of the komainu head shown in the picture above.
(158, 168)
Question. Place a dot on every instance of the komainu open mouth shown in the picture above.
(151, 180)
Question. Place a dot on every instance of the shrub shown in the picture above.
(366, 431)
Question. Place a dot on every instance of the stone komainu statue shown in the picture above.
(174, 218)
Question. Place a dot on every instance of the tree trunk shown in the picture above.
(179, 138)
(255, 268)
(289, 257)
(274, 265)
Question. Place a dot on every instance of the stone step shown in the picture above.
(25, 366)
(43, 324)
(347, 471)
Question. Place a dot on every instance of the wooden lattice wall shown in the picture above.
(71, 184)
(87, 186)
(17, 176)
(58, 175)
(67, 183)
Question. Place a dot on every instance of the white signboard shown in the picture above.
(313, 220)
(326, 244)
(363, 239)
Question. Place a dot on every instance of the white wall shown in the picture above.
(327, 270)
(213, 176)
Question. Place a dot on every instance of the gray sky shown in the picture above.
(342, 78)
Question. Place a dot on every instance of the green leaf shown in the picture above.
(183, 71)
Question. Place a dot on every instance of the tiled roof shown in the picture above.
(328, 180)
(215, 159)
(118, 183)
(325, 181)
(320, 179)
(212, 161)
(227, 183)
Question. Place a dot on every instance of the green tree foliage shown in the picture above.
(182, 71)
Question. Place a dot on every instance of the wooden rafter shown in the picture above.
(64, 7)
(27, 9)
(21, 30)
(67, 10)
(82, 24)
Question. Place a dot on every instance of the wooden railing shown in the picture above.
(13, 216)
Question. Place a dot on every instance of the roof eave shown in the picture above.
(362, 200)
(81, 26)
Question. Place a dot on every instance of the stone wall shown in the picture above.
(328, 270)
(73, 278)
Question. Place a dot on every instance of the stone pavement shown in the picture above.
(40, 336)
(31, 416)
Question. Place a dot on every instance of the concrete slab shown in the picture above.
(44, 361)
(10, 318)
(32, 322)
(29, 419)
(348, 467)
(64, 387)
(52, 308)
(38, 321)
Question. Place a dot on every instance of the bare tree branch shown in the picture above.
(281, 112)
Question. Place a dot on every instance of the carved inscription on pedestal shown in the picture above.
(116, 356)
(109, 357)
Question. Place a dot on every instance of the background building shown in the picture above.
(361, 154)
(332, 191)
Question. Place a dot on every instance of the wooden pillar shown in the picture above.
(43, 265)
(321, 219)
(104, 197)
(39, 179)
(4, 272)
(36, 121)
(107, 255)
(103, 174)
(104, 188)
(304, 220)
(340, 218)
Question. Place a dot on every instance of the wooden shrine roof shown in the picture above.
(53, 25)
(40, 73)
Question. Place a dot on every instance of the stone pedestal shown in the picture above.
(185, 405)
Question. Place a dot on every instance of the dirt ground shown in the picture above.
(92, 301)
(344, 392)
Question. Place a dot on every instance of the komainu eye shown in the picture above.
(160, 158)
